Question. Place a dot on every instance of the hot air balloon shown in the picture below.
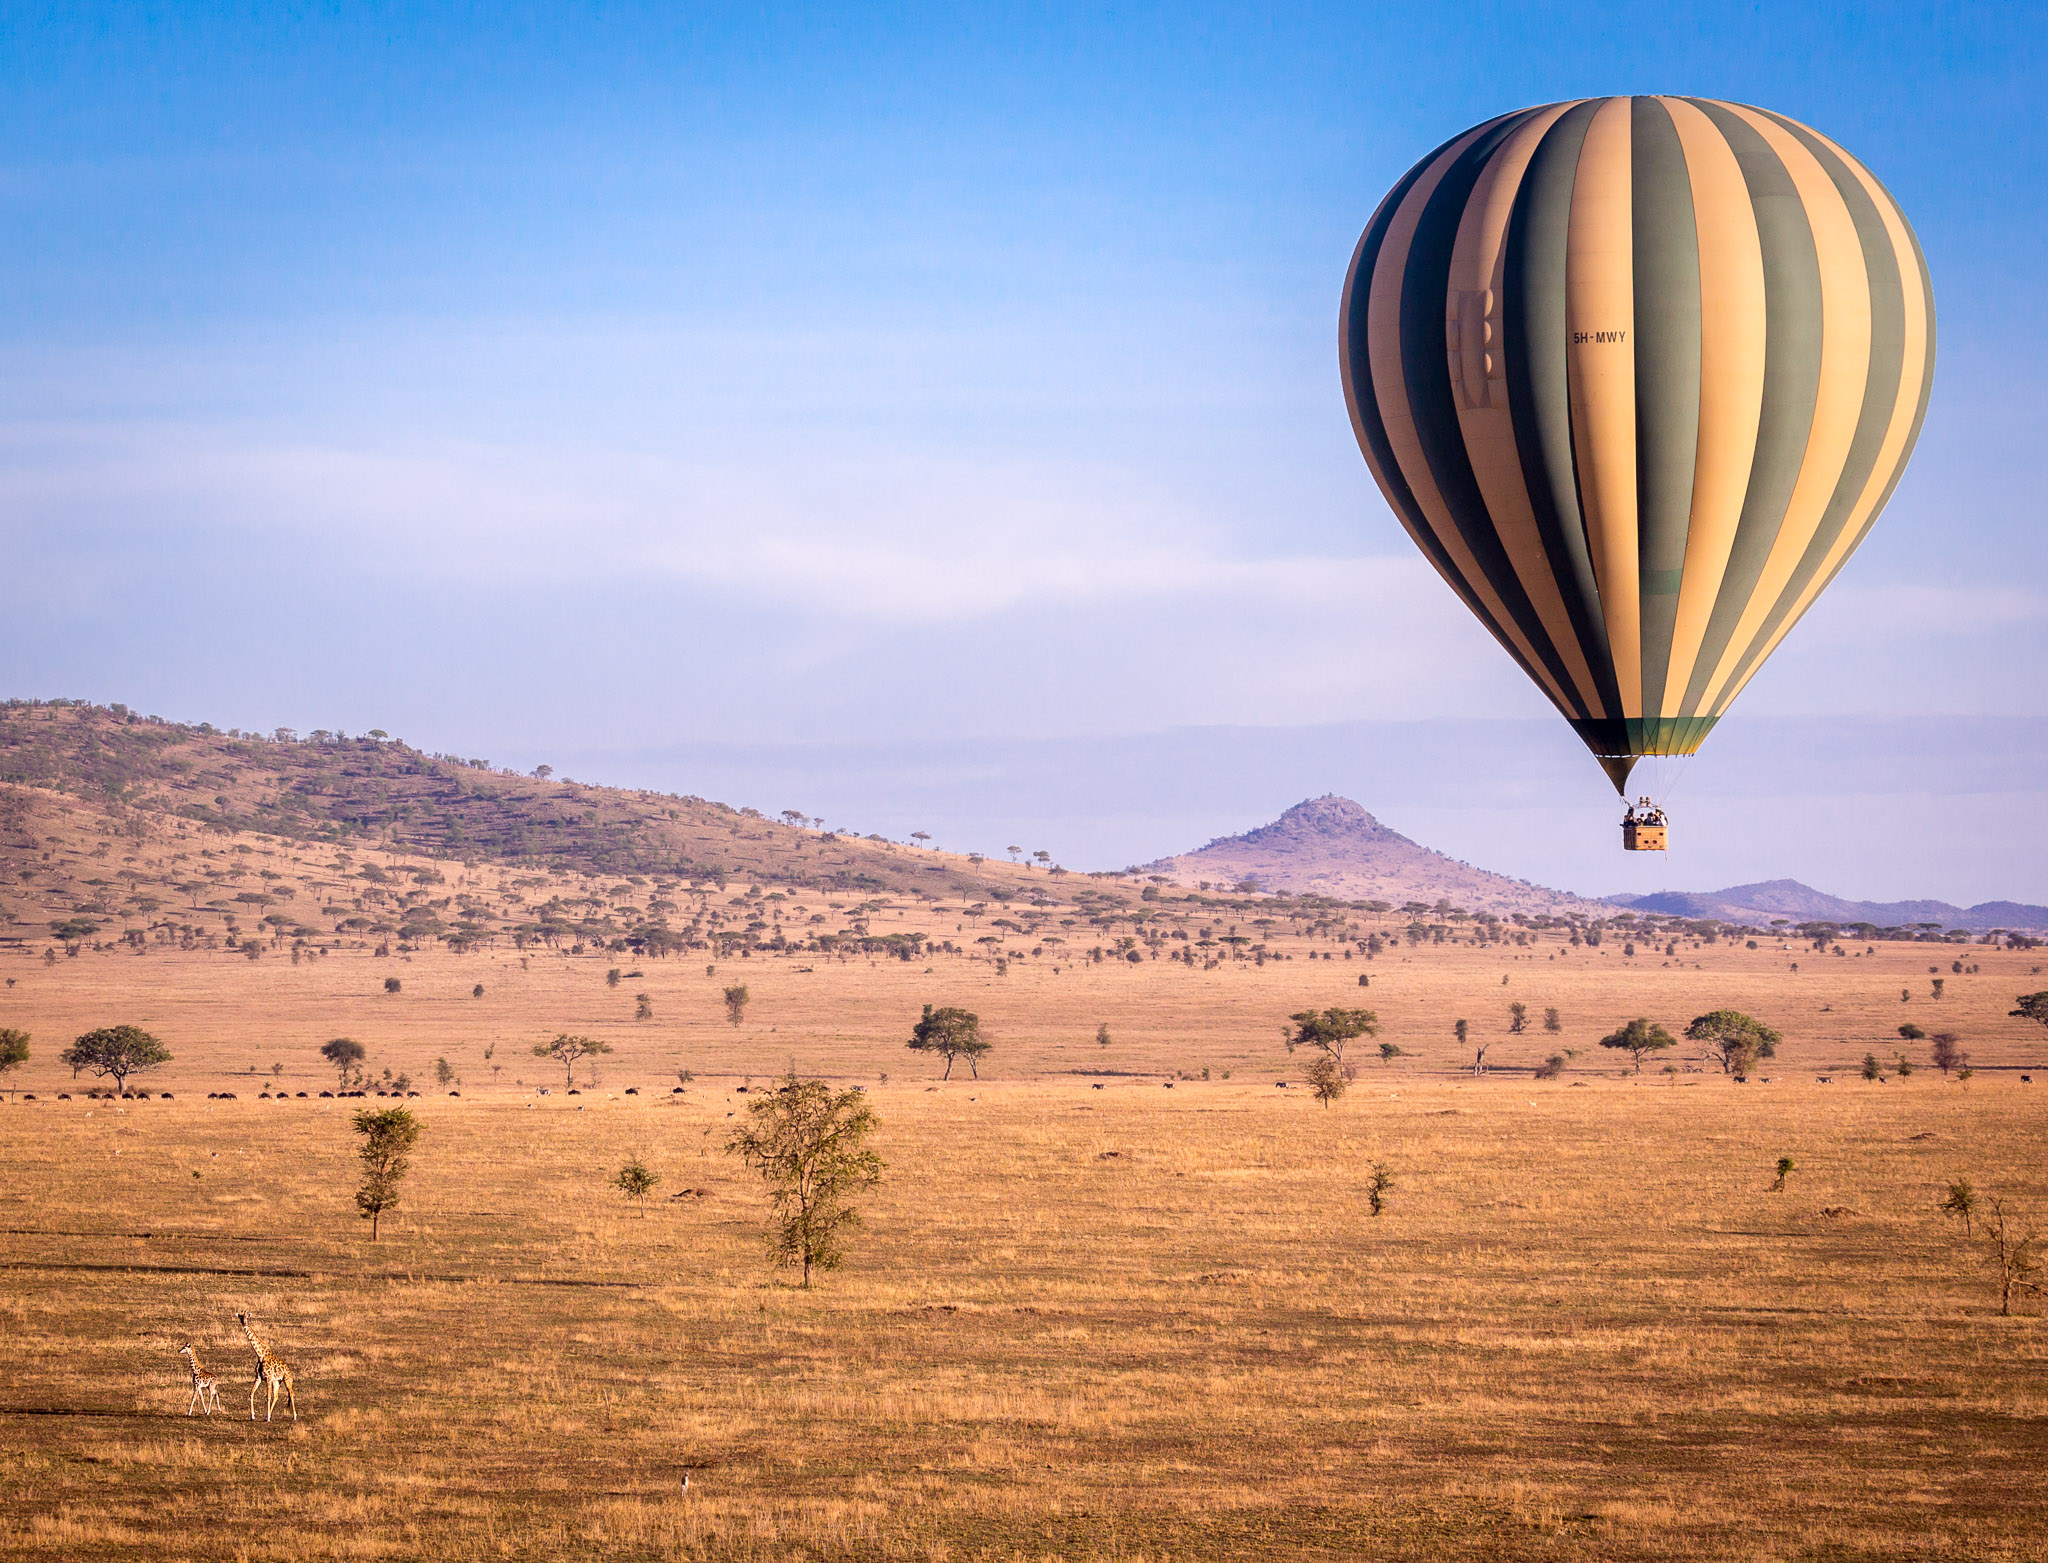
(1637, 375)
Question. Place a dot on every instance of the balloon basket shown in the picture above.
(1642, 838)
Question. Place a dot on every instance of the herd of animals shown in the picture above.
(271, 1373)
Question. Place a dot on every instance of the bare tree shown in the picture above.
(1946, 1050)
(2015, 1256)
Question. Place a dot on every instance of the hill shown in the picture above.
(159, 833)
(373, 791)
(1330, 846)
(1789, 899)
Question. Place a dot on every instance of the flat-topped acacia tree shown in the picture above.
(1640, 1038)
(1738, 1040)
(119, 1051)
(952, 1034)
(1330, 1031)
(346, 1055)
(568, 1051)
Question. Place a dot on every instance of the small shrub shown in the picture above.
(1377, 1187)
(636, 1182)
(1962, 1205)
(1325, 1077)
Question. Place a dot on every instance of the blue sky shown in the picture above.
(926, 411)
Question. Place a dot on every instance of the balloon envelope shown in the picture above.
(1637, 375)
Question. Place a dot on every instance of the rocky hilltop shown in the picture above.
(1330, 846)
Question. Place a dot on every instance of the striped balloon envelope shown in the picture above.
(1637, 375)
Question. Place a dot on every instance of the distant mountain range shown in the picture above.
(1330, 846)
(1788, 898)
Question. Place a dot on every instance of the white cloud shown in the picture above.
(1850, 613)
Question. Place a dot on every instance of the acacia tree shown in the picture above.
(1640, 1038)
(1330, 1031)
(736, 1002)
(1326, 1078)
(72, 933)
(388, 1138)
(346, 1055)
(636, 1181)
(13, 1051)
(119, 1051)
(568, 1051)
(1945, 1047)
(1736, 1039)
(2033, 1006)
(809, 1144)
(952, 1034)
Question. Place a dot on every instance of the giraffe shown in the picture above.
(270, 1370)
(205, 1387)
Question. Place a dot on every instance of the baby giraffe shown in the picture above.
(270, 1370)
(205, 1387)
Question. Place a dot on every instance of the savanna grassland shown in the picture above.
(1117, 1299)
(1116, 1322)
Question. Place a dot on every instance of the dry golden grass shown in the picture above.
(225, 1017)
(1123, 1323)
